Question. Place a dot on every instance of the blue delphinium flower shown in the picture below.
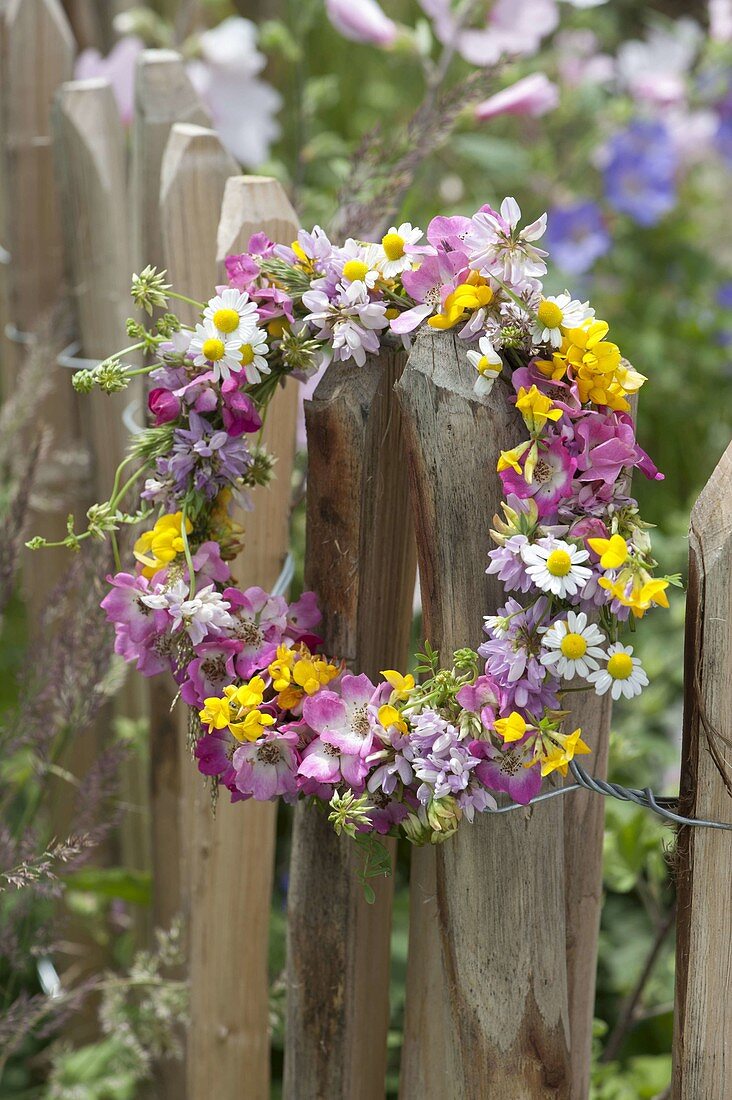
(640, 174)
(577, 236)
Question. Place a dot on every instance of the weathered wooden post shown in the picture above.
(360, 560)
(702, 1057)
(90, 151)
(36, 57)
(486, 987)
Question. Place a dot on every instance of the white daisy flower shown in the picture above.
(232, 314)
(558, 312)
(573, 645)
(623, 674)
(555, 566)
(394, 258)
(488, 364)
(361, 262)
(253, 356)
(215, 350)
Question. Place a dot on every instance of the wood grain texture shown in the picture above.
(36, 56)
(703, 1016)
(360, 559)
(164, 96)
(90, 155)
(242, 836)
(487, 945)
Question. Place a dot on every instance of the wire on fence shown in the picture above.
(659, 804)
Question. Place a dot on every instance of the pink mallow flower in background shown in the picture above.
(512, 28)
(118, 67)
(534, 95)
(243, 107)
(362, 21)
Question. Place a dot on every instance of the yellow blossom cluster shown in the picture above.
(600, 372)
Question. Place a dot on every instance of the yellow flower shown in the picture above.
(536, 408)
(613, 551)
(512, 728)
(570, 745)
(587, 347)
(250, 694)
(465, 298)
(401, 685)
(252, 727)
(312, 673)
(390, 716)
(642, 595)
(511, 458)
(216, 713)
(281, 668)
(628, 377)
(157, 548)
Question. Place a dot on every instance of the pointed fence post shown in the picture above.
(702, 1058)
(234, 852)
(36, 57)
(89, 147)
(229, 856)
(486, 993)
(360, 560)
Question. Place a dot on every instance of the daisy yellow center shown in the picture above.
(620, 666)
(549, 314)
(226, 320)
(213, 349)
(559, 563)
(247, 354)
(393, 245)
(573, 646)
(355, 271)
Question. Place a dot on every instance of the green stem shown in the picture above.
(189, 301)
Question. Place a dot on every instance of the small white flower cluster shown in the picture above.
(229, 339)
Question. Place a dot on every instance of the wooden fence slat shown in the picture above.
(36, 56)
(494, 952)
(360, 559)
(164, 95)
(227, 1041)
(242, 836)
(89, 146)
(703, 1016)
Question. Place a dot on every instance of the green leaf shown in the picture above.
(120, 883)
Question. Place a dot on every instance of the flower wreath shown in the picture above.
(273, 716)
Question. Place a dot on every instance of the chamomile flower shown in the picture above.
(487, 363)
(558, 312)
(623, 674)
(556, 566)
(215, 350)
(573, 646)
(361, 263)
(394, 244)
(252, 356)
(232, 314)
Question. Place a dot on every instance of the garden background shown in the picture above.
(616, 118)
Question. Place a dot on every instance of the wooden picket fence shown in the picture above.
(504, 918)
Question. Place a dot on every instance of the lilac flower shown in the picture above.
(205, 457)
(393, 764)
(442, 760)
(385, 813)
(342, 719)
(640, 172)
(213, 753)
(577, 236)
(361, 21)
(349, 324)
(507, 564)
(512, 654)
(303, 616)
(266, 769)
(125, 608)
